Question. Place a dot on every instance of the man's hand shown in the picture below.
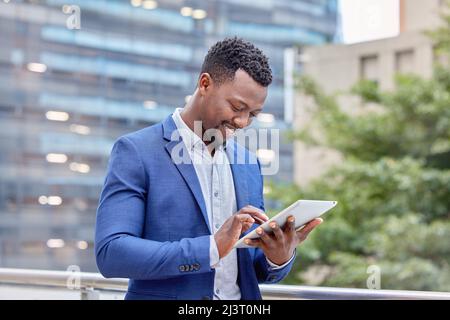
(279, 246)
(234, 226)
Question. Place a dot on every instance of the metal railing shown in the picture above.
(91, 285)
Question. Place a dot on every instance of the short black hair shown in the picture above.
(227, 56)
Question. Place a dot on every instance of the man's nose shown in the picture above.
(241, 122)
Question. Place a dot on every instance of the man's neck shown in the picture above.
(189, 115)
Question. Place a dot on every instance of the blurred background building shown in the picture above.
(410, 51)
(70, 85)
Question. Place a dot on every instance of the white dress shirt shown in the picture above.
(217, 185)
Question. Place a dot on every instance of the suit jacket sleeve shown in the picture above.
(120, 250)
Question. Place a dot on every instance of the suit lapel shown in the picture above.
(186, 168)
(239, 175)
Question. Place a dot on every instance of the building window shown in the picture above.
(404, 61)
(369, 68)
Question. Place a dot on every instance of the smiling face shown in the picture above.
(230, 105)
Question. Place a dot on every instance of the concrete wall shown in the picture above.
(336, 68)
(416, 15)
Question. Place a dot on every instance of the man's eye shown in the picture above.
(237, 109)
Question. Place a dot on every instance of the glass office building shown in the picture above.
(72, 81)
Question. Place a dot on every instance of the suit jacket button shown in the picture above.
(182, 269)
(196, 266)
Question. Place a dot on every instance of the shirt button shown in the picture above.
(217, 226)
(216, 194)
(217, 291)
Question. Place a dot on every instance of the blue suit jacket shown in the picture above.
(152, 226)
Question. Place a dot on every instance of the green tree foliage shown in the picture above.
(393, 185)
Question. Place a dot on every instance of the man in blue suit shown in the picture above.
(176, 199)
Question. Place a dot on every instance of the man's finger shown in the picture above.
(312, 224)
(253, 242)
(303, 232)
(242, 218)
(246, 226)
(276, 230)
(256, 213)
(290, 225)
(263, 235)
(255, 208)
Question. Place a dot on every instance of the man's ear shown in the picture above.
(204, 83)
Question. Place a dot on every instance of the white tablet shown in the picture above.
(303, 211)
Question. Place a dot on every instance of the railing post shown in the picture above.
(90, 293)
